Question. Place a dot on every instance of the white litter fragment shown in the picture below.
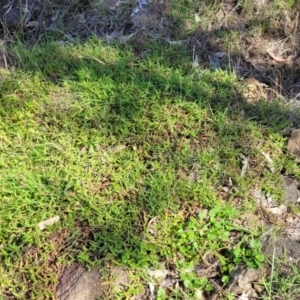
(158, 274)
(243, 297)
(180, 42)
(151, 288)
(42, 225)
(197, 18)
(245, 165)
(199, 295)
(196, 62)
(269, 160)
(139, 6)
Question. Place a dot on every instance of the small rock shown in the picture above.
(78, 284)
(268, 205)
(278, 211)
(242, 280)
(244, 297)
(284, 247)
(291, 189)
(292, 229)
(294, 144)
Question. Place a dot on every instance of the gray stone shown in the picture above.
(291, 188)
(243, 280)
(281, 247)
(76, 283)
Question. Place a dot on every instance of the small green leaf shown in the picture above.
(225, 279)
(187, 283)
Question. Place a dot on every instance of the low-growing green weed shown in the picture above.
(109, 143)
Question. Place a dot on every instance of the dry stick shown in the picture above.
(5, 61)
(3, 52)
(277, 94)
(66, 35)
(218, 288)
(277, 58)
(279, 86)
(102, 63)
(9, 6)
(295, 29)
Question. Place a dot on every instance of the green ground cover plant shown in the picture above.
(108, 141)
(139, 153)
